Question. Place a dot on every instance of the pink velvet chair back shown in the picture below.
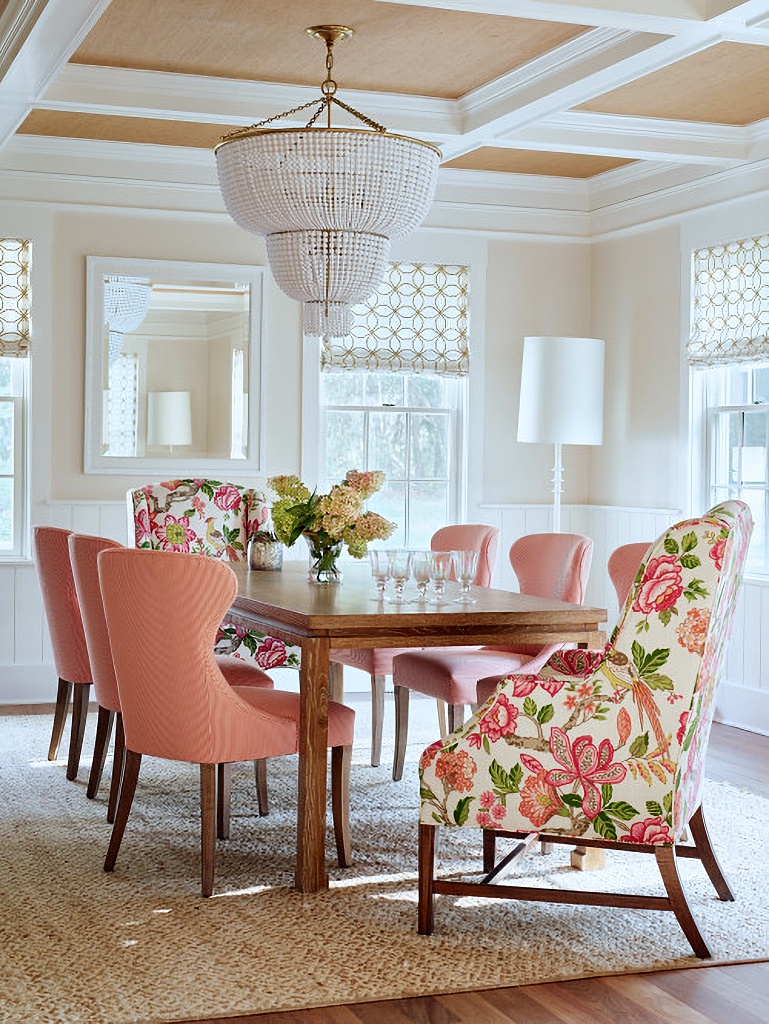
(623, 565)
(553, 565)
(62, 611)
(163, 610)
(83, 552)
(470, 537)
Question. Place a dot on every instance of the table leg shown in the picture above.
(313, 760)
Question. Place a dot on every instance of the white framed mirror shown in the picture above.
(173, 368)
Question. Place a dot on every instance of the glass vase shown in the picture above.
(324, 554)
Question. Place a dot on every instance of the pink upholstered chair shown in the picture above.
(175, 701)
(84, 551)
(65, 626)
(603, 749)
(623, 565)
(208, 517)
(378, 662)
(546, 565)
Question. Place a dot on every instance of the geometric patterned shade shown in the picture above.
(730, 305)
(14, 296)
(415, 322)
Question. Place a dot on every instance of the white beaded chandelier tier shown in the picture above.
(328, 199)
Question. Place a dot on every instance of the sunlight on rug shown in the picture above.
(142, 945)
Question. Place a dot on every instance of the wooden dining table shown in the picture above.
(315, 618)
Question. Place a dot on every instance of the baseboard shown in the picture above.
(28, 684)
(744, 707)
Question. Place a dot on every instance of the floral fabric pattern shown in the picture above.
(606, 745)
(208, 517)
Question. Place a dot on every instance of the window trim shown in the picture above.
(20, 404)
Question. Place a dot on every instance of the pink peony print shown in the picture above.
(456, 768)
(694, 629)
(173, 534)
(682, 727)
(660, 587)
(649, 832)
(539, 800)
(717, 552)
(142, 529)
(575, 661)
(227, 497)
(499, 720)
(585, 764)
(270, 653)
(429, 755)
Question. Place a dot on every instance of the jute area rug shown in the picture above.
(77, 945)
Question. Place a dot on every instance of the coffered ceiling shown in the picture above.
(615, 93)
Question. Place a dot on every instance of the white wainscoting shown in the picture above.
(26, 665)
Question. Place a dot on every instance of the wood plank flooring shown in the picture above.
(736, 994)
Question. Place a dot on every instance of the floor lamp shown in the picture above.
(169, 418)
(561, 398)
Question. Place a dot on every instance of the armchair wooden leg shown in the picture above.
(207, 827)
(426, 872)
(341, 760)
(401, 729)
(128, 788)
(666, 862)
(708, 857)
(63, 695)
(103, 732)
(377, 718)
(260, 777)
(118, 764)
(586, 858)
(79, 714)
(489, 849)
(223, 800)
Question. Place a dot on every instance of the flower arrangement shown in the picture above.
(329, 520)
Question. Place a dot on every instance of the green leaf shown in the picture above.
(438, 818)
(606, 792)
(572, 799)
(529, 708)
(638, 654)
(640, 745)
(425, 793)
(621, 810)
(486, 745)
(654, 808)
(690, 561)
(604, 826)
(516, 778)
(462, 810)
(545, 714)
(671, 547)
(563, 811)
(658, 682)
(652, 660)
(689, 541)
(499, 777)
(665, 616)
(695, 590)
(667, 802)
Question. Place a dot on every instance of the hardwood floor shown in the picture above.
(736, 994)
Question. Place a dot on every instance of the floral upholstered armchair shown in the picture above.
(603, 749)
(208, 517)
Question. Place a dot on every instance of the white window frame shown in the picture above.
(20, 403)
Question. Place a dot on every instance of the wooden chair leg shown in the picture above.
(440, 707)
(103, 734)
(207, 827)
(223, 800)
(666, 862)
(63, 694)
(708, 857)
(377, 718)
(401, 729)
(456, 716)
(426, 871)
(128, 788)
(118, 764)
(489, 849)
(260, 777)
(341, 760)
(79, 714)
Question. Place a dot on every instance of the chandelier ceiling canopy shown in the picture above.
(328, 199)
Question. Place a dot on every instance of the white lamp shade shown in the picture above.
(169, 418)
(562, 391)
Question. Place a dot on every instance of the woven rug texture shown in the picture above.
(79, 945)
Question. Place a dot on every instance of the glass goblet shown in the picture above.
(440, 571)
(380, 570)
(420, 570)
(400, 570)
(465, 568)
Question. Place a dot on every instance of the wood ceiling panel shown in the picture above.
(524, 161)
(725, 84)
(396, 48)
(106, 127)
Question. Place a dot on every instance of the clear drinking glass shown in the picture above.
(465, 568)
(440, 571)
(380, 570)
(400, 570)
(420, 570)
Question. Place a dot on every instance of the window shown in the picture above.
(393, 395)
(729, 353)
(14, 345)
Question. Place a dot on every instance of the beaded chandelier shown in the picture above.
(328, 199)
(126, 301)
